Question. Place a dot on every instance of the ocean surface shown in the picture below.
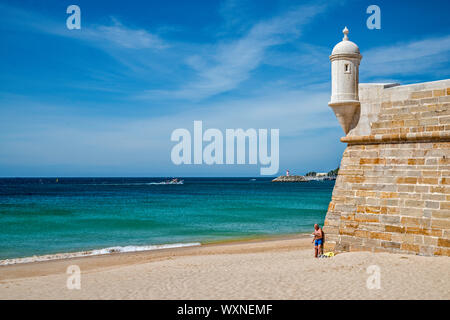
(48, 216)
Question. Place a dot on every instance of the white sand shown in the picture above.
(281, 269)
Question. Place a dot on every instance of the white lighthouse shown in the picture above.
(345, 59)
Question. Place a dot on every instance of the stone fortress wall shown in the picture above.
(393, 188)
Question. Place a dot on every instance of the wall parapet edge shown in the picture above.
(412, 137)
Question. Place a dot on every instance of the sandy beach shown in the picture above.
(282, 268)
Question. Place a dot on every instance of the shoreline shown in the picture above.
(137, 248)
(48, 266)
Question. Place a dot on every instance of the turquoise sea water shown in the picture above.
(42, 216)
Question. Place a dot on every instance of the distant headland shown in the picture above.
(310, 176)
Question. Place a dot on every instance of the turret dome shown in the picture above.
(345, 46)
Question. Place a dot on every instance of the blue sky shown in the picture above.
(103, 100)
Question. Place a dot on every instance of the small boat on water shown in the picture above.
(172, 181)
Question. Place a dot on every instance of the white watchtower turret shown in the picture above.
(345, 59)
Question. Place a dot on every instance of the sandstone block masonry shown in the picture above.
(393, 188)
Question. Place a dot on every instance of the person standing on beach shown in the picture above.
(318, 240)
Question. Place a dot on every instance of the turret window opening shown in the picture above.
(347, 68)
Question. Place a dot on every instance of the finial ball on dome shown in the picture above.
(345, 32)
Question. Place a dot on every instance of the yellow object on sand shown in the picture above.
(329, 254)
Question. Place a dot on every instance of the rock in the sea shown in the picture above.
(290, 179)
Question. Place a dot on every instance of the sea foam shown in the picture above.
(96, 252)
